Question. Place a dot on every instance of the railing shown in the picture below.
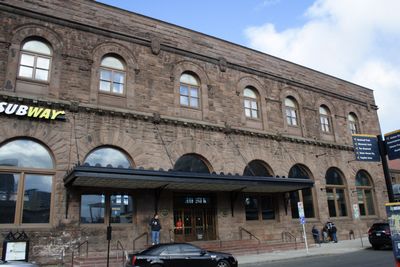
(241, 229)
(79, 250)
(146, 234)
(124, 255)
(170, 232)
(287, 236)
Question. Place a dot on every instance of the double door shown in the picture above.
(194, 224)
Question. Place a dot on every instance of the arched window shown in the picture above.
(364, 193)
(189, 90)
(353, 123)
(325, 119)
(258, 206)
(304, 195)
(251, 103)
(108, 157)
(336, 193)
(192, 163)
(257, 168)
(26, 181)
(291, 111)
(112, 75)
(35, 60)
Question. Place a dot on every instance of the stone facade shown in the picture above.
(148, 123)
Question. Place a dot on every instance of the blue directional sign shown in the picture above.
(366, 147)
(392, 141)
(302, 220)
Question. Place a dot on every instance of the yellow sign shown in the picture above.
(31, 112)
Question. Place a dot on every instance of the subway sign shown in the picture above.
(13, 109)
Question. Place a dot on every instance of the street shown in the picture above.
(364, 258)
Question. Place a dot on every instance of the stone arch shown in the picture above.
(352, 109)
(257, 85)
(187, 66)
(189, 145)
(261, 162)
(31, 30)
(191, 67)
(131, 64)
(117, 148)
(23, 32)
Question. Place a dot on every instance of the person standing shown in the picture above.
(155, 226)
(334, 235)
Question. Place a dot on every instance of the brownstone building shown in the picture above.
(108, 116)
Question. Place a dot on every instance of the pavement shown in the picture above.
(344, 246)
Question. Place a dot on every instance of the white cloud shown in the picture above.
(355, 40)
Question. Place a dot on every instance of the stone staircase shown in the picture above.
(248, 247)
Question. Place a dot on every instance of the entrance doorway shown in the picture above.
(194, 218)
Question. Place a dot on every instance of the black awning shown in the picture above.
(87, 176)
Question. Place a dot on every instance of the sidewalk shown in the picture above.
(341, 247)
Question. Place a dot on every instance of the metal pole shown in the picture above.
(388, 179)
(305, 238)
(109, 230)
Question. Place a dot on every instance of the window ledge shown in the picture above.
(33, 81)
(112, 94)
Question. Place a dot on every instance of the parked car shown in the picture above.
(180, 255)
(379, 235)
(17, 264)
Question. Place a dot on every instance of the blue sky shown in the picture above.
(357, 40)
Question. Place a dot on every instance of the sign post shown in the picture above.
(392, 141)
(356, 212)
(393, 213)
(373, 148)
(302, 222)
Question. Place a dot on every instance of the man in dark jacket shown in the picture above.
(155, 226)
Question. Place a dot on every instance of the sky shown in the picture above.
(357, 40)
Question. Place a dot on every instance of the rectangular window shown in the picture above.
(370, 202)
(361, 204)
(251, 207)
(341, 202)
(8, 196)
(121, 209)
(92, 208)
(331, 202)
(267, 208)
(37, 199)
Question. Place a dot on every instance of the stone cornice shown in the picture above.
(75, 107)
(175, 50)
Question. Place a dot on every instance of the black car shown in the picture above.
(379, 235)
(180, 255)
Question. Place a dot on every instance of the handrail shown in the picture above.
(247, 231)
(79, 250)
(285, 234)
(170, 231)
(121, 247)
(140, 236)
